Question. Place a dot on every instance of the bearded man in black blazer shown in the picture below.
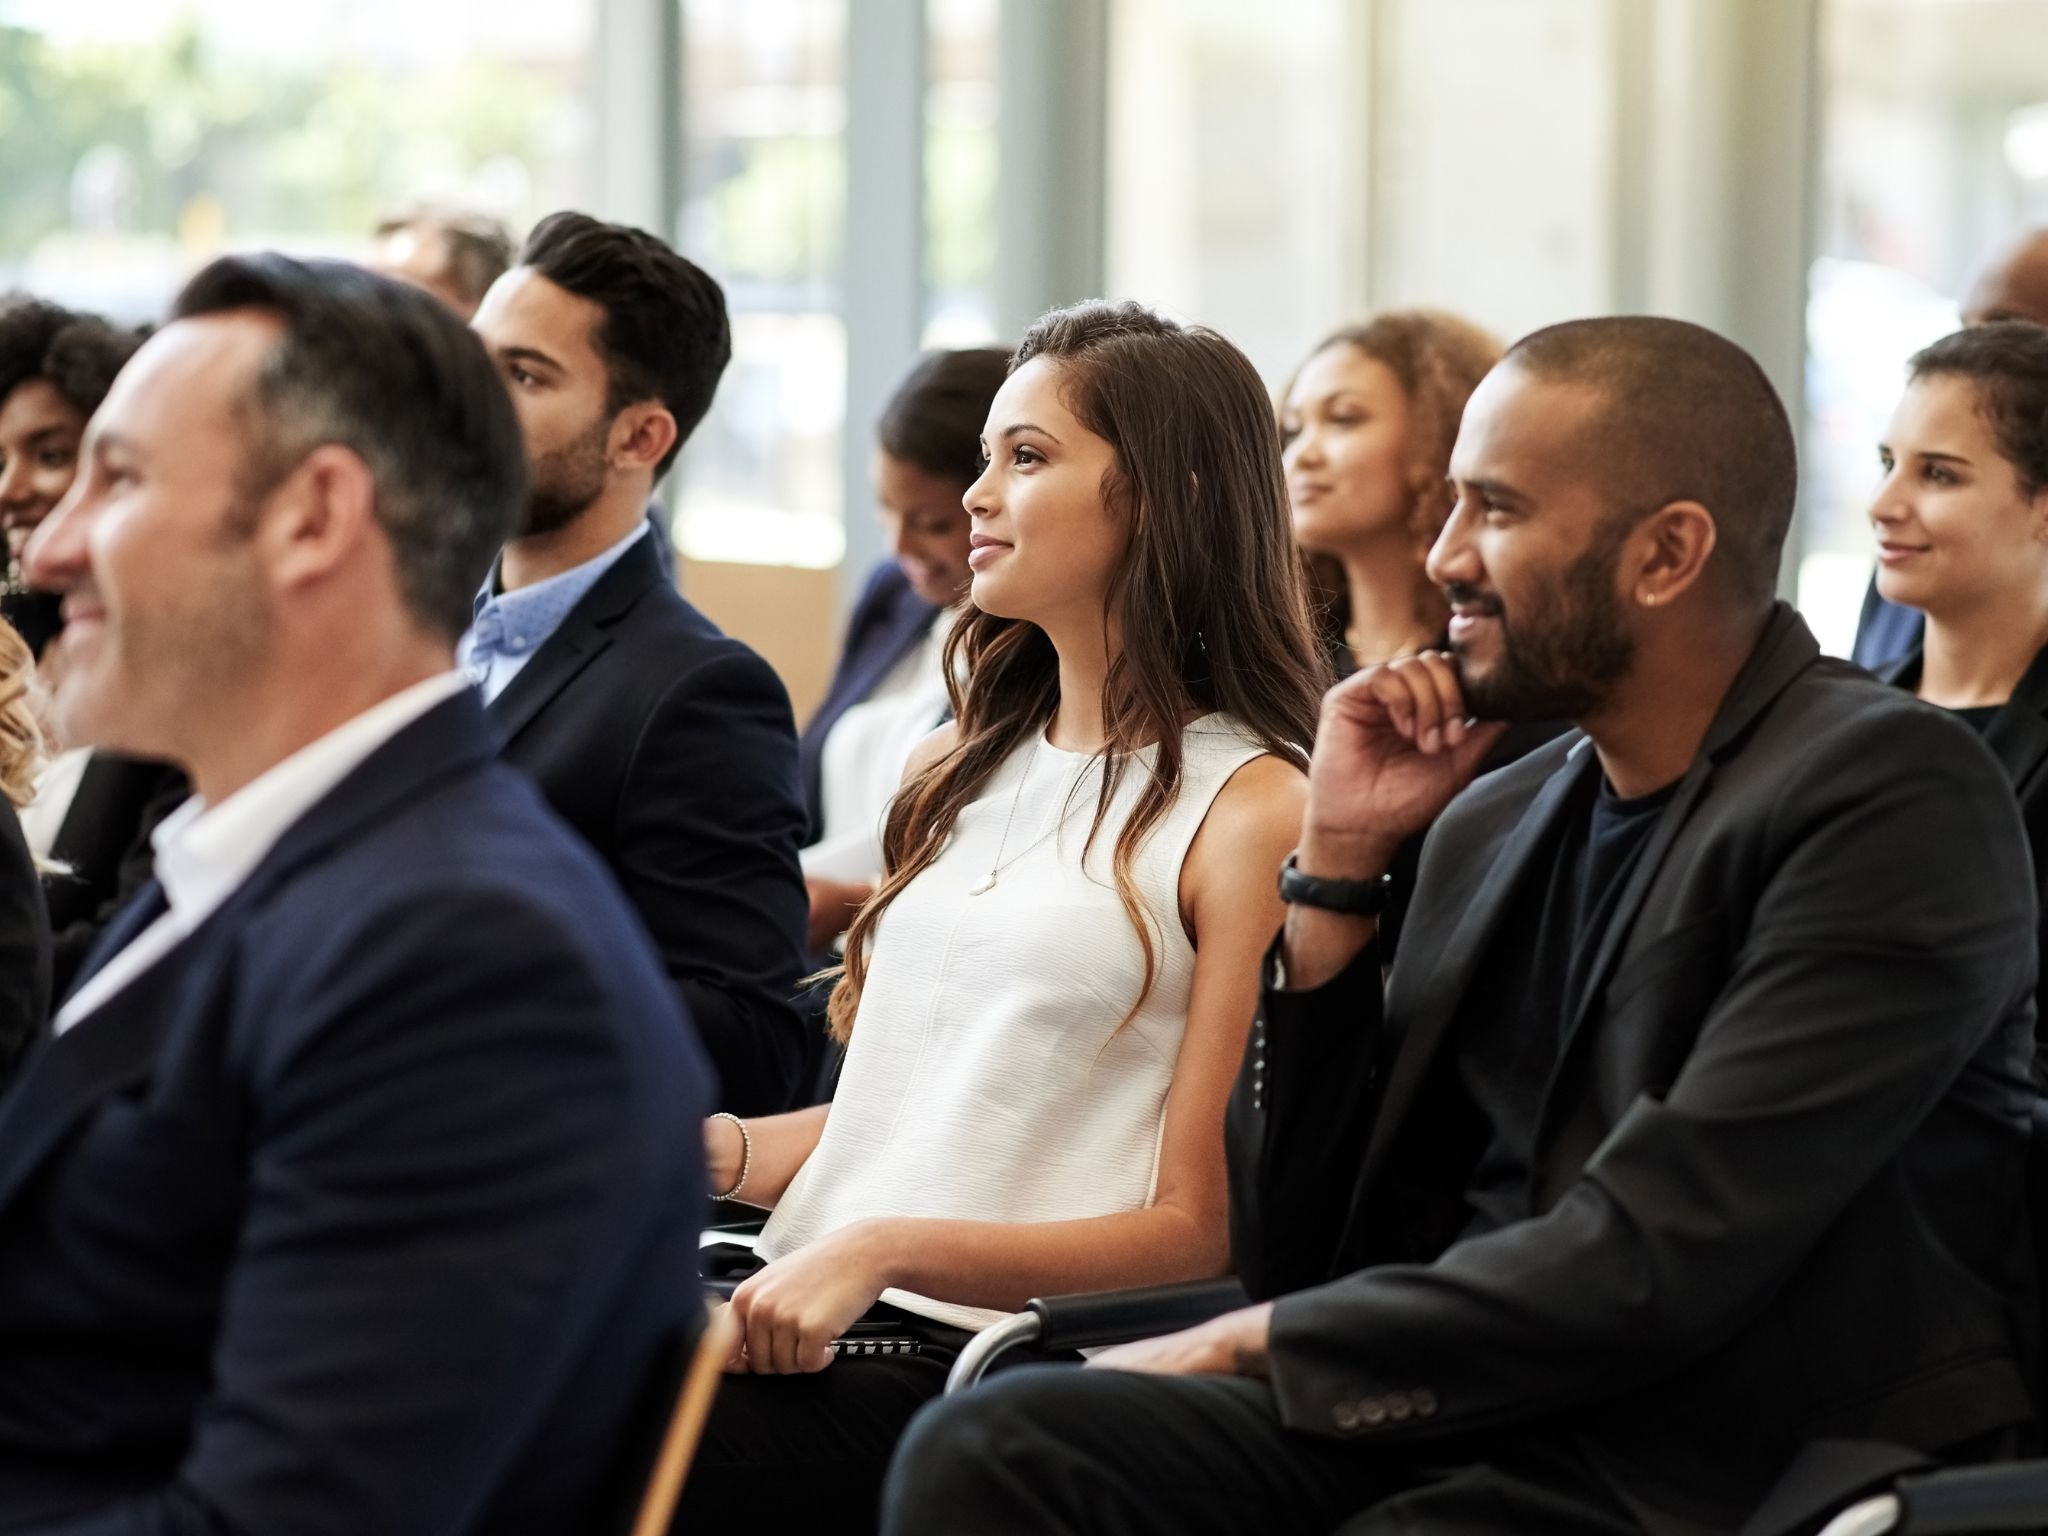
(666, 744)
(1691, 1126)
(356, 1186)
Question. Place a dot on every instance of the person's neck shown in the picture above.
(1084, 655)
(1650, 730)
(535, 557)
(1394, 612)
(301, 699)
(1975, 658)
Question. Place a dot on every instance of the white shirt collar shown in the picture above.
(204, 852)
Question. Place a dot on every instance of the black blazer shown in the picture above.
(105, 850)
(1779, 1169)
(2018, 736)
(670, 748)
(889, 620)
(25, 987)
(372, 1205)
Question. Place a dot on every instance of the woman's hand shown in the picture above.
(790, 1312)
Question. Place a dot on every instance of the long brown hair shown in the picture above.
(1207, 598)
(1438, 359)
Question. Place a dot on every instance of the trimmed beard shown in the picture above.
(1562, 660)
(566, 481)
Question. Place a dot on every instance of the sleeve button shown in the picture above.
(1424, 1401)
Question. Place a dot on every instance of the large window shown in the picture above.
(764, 102)
(1236, 184)
(140, 137)
(1934, 152)
(960, 164)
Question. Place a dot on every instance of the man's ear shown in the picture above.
(641, 436)
(1670, 549)
(316, 518)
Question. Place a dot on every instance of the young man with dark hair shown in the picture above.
(353, 1189)
(666, 744)
(1690, 1125)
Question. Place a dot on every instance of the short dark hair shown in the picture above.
(665, 334)
(1685, 415)
(384, 369)
(78, 354)
(2007, 363)
(478, 247)
(934, 419)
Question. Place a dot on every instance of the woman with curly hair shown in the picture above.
(24, 925)
(1368, 421)
(92, 812)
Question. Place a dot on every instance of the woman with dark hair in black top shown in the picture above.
(1962, 527)
(92, 813)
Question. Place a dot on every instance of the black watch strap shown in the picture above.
(1355, 898)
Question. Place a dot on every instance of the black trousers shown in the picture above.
(807, 1453)
(1109, 1453)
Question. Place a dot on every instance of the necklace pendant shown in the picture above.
(984, 887)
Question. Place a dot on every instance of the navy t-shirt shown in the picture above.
(1506, 1062)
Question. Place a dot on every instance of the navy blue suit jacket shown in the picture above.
(1886, 633)
(889, 619)
(669, 746)
(372, 1206)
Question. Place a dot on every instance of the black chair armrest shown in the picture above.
(2011, 1496)
(1094, 1319)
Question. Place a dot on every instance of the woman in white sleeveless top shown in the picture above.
(1047, 998)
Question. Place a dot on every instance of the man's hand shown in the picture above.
(1392, 749)
(790, 1312)
(1231, 1345)
(833, 903)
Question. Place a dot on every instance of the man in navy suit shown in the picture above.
(666, 744)
(356, 1186)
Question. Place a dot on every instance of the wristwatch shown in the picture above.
(1355, 898)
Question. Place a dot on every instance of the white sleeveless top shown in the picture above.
(991, 1075)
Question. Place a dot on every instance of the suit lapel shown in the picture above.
(116, 1046)
(583, 636)
(2018, 733)
(1785, 650)
(1441, 992)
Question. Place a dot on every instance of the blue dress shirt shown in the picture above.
(510, 626)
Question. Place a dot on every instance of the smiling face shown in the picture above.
(40, 433)
(926, 525)
(1045, 540)
(1529, 556)
(154, 548)
(1349, 473)
(1956, 529)
(544, 340)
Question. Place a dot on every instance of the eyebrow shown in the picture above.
(530, 355)
(1019, 428)
(55, 429)
(1499, 490)
(1935, 455)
